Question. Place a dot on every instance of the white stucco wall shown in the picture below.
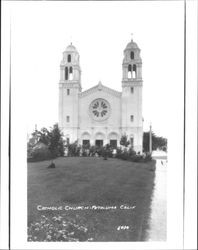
(89, 125)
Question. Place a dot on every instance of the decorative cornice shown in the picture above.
(131, 128)
(135, 61)
(129, 83)
(74, 84)
(70, 64)
(69, 82)
(100, 87)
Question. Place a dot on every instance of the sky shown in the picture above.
(41, 31)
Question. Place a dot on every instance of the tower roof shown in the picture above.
(131, 45)
(71, 48)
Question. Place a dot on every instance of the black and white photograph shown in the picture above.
(97, 129)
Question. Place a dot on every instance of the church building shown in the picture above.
(101, 115)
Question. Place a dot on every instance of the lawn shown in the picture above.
(100, 187)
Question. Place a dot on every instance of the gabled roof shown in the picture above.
(100, 87)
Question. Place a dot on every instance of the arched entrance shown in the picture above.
(113, 139)
(67, 139)
(85, 137)
(132, 141)
(99, 139)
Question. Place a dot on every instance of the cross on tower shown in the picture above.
(131, 36)
(71, 39)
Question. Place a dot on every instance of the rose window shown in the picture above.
(100, 109)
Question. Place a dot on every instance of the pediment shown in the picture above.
(100, 87)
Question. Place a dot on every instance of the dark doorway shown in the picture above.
(132, 142)
(99, 143)
(66, 73)
(86, 143)
(113, 143)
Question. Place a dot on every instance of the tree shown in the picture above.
(157, 142)
(44, 136)
(53, 139)
(56, 142)
(74, 149)
(124, 141)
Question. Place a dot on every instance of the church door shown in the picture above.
(99, 143)
(113, 143)
(86, 143)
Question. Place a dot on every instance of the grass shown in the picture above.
(87, 181)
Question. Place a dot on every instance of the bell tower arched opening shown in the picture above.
(134, 71)
(70, 73)
(66, 73)
(132, 64)
(129, 71)
(70, 70)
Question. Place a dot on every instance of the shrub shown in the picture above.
(40, 154)
(137, 158)
(92, 150)
(110, 152)
(148, 157)
(122, 154)
(130, 155)
(107, 151)
(124, 141)
(118, 152)
(45, 144)
(74, 149)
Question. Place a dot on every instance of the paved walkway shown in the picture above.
(157, 221)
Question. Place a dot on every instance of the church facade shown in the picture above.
(101, 115)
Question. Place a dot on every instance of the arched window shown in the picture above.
(134, 71)
(129, 71)
(69, 58)
(132, 55)
(132, 142)
(70, 73)
(66, 73)
(67, 139)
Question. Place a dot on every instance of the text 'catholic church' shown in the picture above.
(101, 115)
